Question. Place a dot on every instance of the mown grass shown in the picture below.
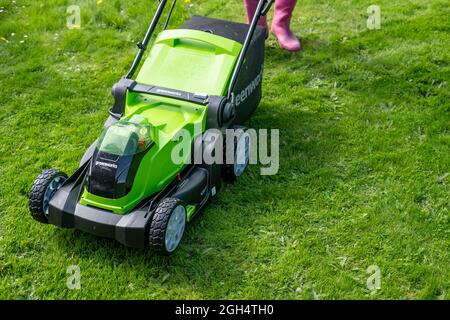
(364, 119)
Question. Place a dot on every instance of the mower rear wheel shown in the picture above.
(42, 191)
(167, 225)
(241, 152)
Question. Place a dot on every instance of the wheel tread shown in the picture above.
(159, 223)
(37, 193)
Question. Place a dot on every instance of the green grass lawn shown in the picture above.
(364, 119)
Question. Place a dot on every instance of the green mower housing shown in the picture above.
(205, 75)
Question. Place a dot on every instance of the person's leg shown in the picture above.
(250, 7)
(281, 25)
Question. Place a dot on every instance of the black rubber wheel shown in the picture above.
(167, 226)
(229, 172)
(43, 189)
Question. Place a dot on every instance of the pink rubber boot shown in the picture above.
(250, 7)
(281, 25)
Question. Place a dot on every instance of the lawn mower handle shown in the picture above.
(261, 10)
(143, 45)
(266, 9)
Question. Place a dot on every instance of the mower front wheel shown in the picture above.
(167, 226)
(42, 191)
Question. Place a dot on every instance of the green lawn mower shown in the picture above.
(206, 75)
